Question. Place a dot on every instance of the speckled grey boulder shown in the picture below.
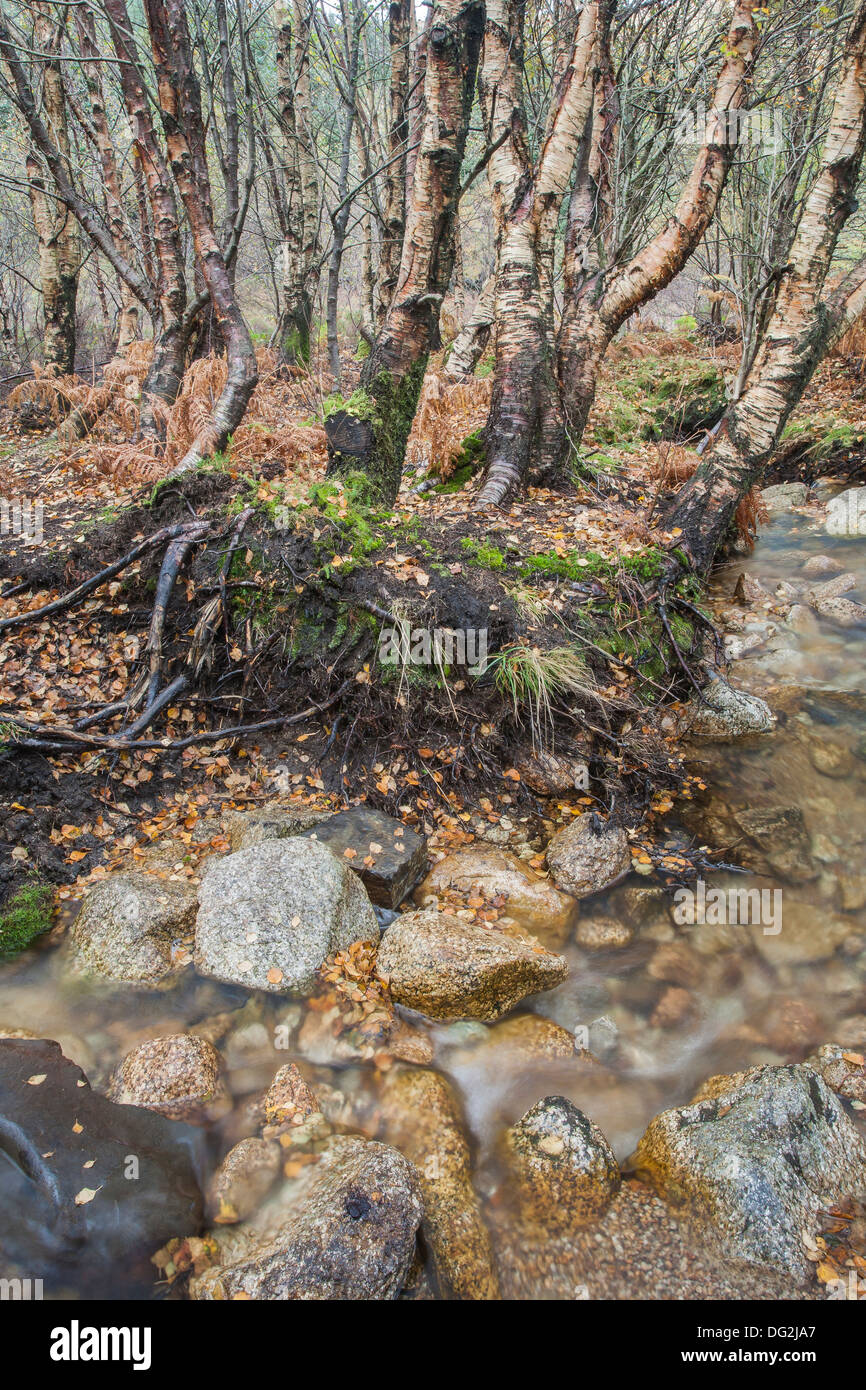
(446, 968)
(588, 856)
(783, 496)
(130, 928)
(344, 1231)
(725, 713)
(754, 1160)
(563, 1168)
(179, 1076)
(263, 823)
(269, 915)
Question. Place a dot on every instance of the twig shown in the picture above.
(168, 533)
(122, 744)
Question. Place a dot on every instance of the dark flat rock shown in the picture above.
(141, 1173)
(397, 865)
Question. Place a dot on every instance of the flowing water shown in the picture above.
(681, 1002)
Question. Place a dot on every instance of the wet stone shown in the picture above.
(179, 1076)
(89, 1190)
(562, 1166)
(399, 854)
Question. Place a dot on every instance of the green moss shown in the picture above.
(488, 557)
(27, 915)
(588, 564)
(467, 463)
(350, 506)
(823, 437)
(659, 398)
(388, 403)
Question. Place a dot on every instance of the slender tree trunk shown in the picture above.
(181, 113)
(395, 173)
(293, 330)
(340, 215)
(128, 324)
(524, 405)
(596, 306)
(474, 336)
(373, 439)
(56, 228)
(160, 227)
(802, 326)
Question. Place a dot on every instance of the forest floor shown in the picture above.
(277, 620)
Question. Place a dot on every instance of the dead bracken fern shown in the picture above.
(109, 415)
(448, 412)
(675, 464)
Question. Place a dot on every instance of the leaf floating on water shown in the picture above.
(77, 1128)
(37, 1080)
(86, 1195)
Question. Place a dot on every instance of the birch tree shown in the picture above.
(806, 318)
(369, 432)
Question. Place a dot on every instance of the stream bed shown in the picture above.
(661, 1006)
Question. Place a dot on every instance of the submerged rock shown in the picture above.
(844, 612)
(289, 1099)
(529, 1037)
(818, 565)
(588, 856)
(178, 1076)
(90, 1189)
(422, 1117)
(564, 1170)
(271, 914)
(449, 969)
(780, 833)
(781, 497)
(753, 1160)
(347, 1232)
(840, 584)
(843, 1069)
(725, 713)
(131, 927)
(808, 933)
(243, 1180)
(603, 934)
(532, 901)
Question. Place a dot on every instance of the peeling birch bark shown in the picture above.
(526, 202)
(798, 333)
(56, 229)
(474, 336)
(596, 305)
(369, 433)
(181, 114)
